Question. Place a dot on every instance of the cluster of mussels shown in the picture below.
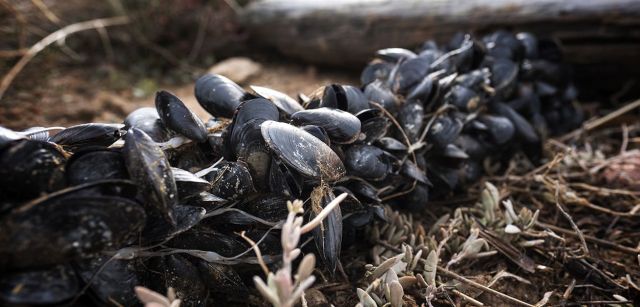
(90, 212)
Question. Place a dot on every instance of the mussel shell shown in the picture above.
(504, 75)
(148, 120)
(218, 95)
(269, 207)
(223, 281)
(231, 180)
(281, 100)
(29, 168)
(149, 168)
(95, 164)
(500, 128)
(328, 236)
(111, 280)
(283, 181)
(47, 286)
(391, 144)
(529, 43)
(463, 98)
(318, 132)
(188, 184)
(378, 92)
(177, 117)
(342, 127)
(444, 131)
(7, 136)
(302, 151)
(377, 70)
(374, 125)
(411, 170)
(92, 134)
(409, 74)
(356, 100)
(158, 229)
(367, 162)
(394, 55)
(362, 189)
(205, 239)
(184, 277)
(69, 224)
(411, 118)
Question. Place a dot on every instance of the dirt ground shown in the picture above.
(74, 95)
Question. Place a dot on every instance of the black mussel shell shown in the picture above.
(149, 168)
(69, 224)
(362, 189)
(188, 184)
(464, 98)
(529, 43)
(504, 44)
(93, 134)
(223, 281)
(158, 229)
(424, 90)
(453, 151)
(95, 164)
(202, 238)
(474, 148)
(269, 207)
(504, 74)
(302, 151)
(409, 74)
(111, 280)
(411, 170)
(47, 286)
(391, 144)
(318, 132)
(367, 162)
(177, 117)
(283, 181)
(342, 127)
(356, 100)
(374, 125)
(30, 168)
(218, 95)
(500, 128)
(230, 180)
(244, 137)
(375, 71)
(416, 199)
(411, 118)
(281, 100)
(148, 120)
(524, 130)
(328, 236)
(184, 277)
(444, 131)
(381, 94)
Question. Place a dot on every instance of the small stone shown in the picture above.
(238, 69)
(315, 298)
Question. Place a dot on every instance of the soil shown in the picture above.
(77, 94)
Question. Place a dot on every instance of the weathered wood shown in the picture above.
(349, 31)
(593, 33)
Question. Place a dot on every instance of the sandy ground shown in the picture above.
(68, 96)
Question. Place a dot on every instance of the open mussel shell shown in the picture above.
(29, 168)
(149, 168)
(328, 236)
(367, 162)
(374, 125)
(284, 181)
(110, 280)
(80, 221)
(38, 287)
(230, 180)
(302, 152)
(342, 127)
(95, 164)
(343, 97)
(92, 134)
(283, 101)
(148, 120)
(177, 117)
(188, 184)
(218, 95)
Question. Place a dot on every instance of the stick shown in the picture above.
(597, 122)
(482, 287)
(622, 248)
(53, 37)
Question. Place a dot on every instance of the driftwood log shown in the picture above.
(600, 37)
